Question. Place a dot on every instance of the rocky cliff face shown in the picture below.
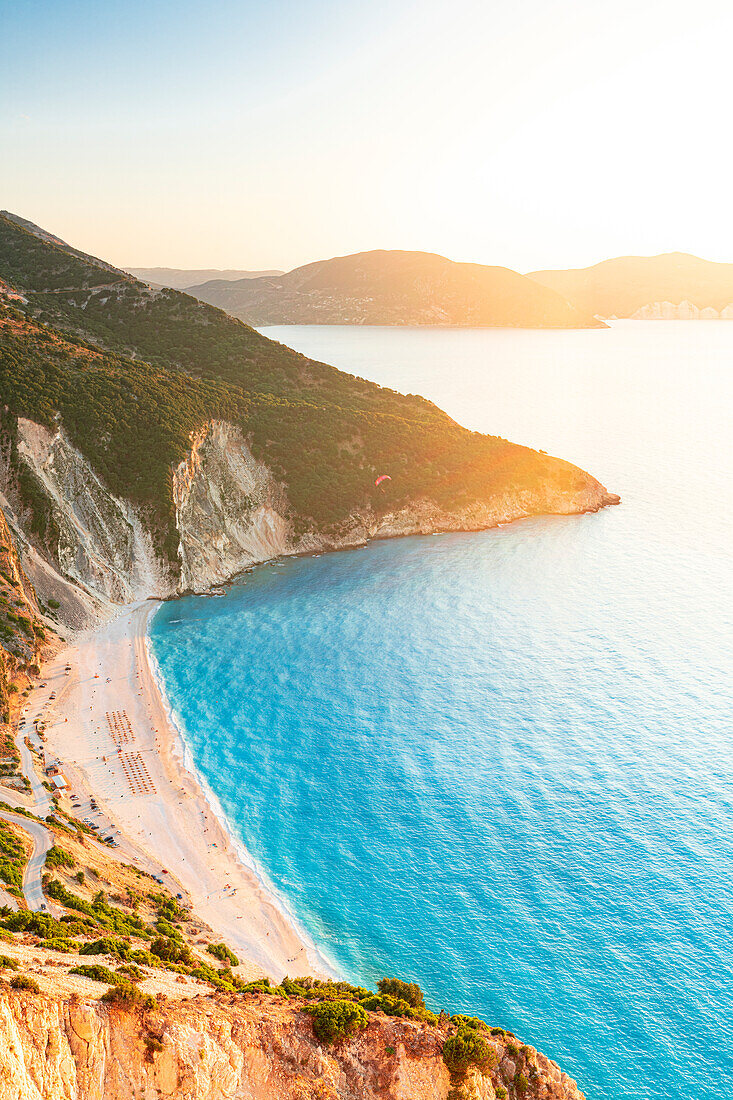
(102, 555)
(230, 513)
(24, 634)
(102, 543)
(219, 1049)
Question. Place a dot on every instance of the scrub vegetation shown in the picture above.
(131, 372)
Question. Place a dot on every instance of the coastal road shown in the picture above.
(43, 804)
(42, 841)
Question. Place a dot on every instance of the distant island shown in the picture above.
(421, 288)
(672, 286)
(395, 288)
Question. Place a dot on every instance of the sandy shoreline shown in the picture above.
(132, 763)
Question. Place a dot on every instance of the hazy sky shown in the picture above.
(228, 133)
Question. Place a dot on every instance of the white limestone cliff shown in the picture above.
(230, 513)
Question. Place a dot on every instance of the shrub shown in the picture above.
(126, 995)
(168, 908)
(467, 1048)
(145, 958)
(6, 963)
(57, 857)
(335, 1020)
(474, 1022)
(394, 1006)
(223, 953)
(521, 1084)
(170, 950)
(23, 981)
(97, 973)
(403, 991)
(106, 946)
(12, 857)
(42, 925)
(63, 946)
(129, 970)
(98, 909)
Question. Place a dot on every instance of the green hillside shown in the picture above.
(131, 372)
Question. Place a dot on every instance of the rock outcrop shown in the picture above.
(230, 512)
(103, 556)
(258, 1049)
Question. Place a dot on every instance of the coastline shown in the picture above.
(170, 822)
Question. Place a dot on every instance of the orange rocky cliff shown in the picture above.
(257, 1047)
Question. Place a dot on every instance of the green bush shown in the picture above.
(473, 1022)
(127, 996)
(57, 857)
(42, 925)
(97, 972)
(403, 991)
(106, 946)
(336, 1020)
(23, 981)
(63, 946)
(98, 909)
(467, 1047)
(7, 963)
(129, 970)
(170, 950)
(394, 1006)
(223, 953)
(12, 857)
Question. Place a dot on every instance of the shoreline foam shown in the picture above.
(187, 762)
(180, 828)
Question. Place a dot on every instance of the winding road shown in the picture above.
(41, 837)
(39, 834)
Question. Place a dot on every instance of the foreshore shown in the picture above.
(111, 731)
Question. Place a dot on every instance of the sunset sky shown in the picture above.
(238, 134)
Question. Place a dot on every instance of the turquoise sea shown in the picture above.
(501, 764)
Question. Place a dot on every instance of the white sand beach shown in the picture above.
(111, 732)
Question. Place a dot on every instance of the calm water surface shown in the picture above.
(501, 764)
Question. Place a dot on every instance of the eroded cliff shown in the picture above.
(258, 1048)
(230, 513)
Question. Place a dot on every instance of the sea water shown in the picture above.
(500, 764)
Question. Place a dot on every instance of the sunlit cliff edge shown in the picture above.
(216, 1048)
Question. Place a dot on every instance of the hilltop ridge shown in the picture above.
(180, 278)
(631, 286)
(395, 288)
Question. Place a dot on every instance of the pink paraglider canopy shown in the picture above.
(381, 478)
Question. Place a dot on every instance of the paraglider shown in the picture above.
(381, 478)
